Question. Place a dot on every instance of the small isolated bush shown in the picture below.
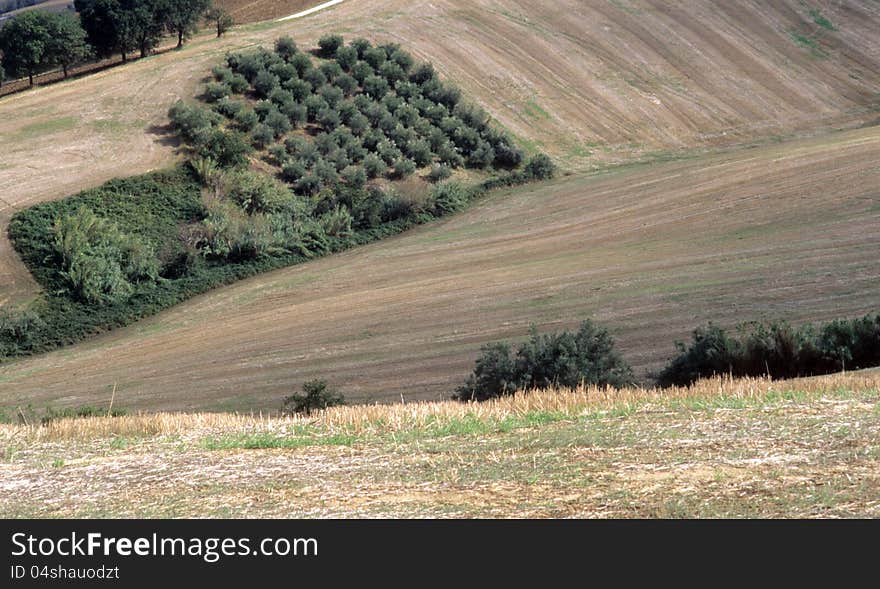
(314, 397)
(564, 359)
(539, 167)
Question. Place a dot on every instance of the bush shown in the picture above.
(404, 167)
(346, 57)
(315, 396)
(238, 84)
(262, 135)
(540, 167)
(776, 350)
(329, 44)
(376, 87)
(286, 48)
(449, 197)
(565, 359)
(246, 118)
(214, 91)
(227, 148)
(374, 166)
(228, 107)
(99, 262)
(191, 120)
(278, 122)
(375, 57)
(439, 172)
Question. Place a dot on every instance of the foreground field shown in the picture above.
(787, 230)
(749, 448)
(587, 82)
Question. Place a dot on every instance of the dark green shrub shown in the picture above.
(315, 77)
(449, 197)
(246, 118)
(238, 84)
(286, 48)
(314, 397)
(214, 91)
(329, 44)
(404, 167)
(191, 120)
(376, 87)
(374, 166)
(262, 135)
(227, 148)
(346, 57)
(494, 375)
(361, 71)
(299, 89)
(302, 62)
(360, 45)
(346, 83)
(229, 107)
(564, 359)
(375, 57)
(539, 167)
(278, 122)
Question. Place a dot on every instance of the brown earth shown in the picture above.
(591, 83)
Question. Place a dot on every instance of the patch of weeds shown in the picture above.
(57, 463)
(820, 19)
(269, 441)
(810, 43)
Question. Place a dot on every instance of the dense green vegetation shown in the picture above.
(777, 350)
(132, 247)
(38, 41)
(564, 359)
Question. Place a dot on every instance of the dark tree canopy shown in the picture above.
(37, 41)
(181, 17)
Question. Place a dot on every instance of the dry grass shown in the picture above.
(745, 448)
(366, 420)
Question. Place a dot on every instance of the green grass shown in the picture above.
(48, 127)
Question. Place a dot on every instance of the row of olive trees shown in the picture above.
(40, 41)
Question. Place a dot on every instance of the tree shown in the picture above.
(221, 19)
(182, 17)
(122, 25)
(25, 43)
(68, 44)
(315, 396)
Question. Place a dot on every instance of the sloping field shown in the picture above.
(589, 82)
(748, 448)
(786, 230)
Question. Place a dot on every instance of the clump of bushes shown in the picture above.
(562, 359)
(99, 262)
(316, 395)
(778, 350)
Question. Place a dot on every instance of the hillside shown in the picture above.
(621, 80)
(751, 448)
(781, 230)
